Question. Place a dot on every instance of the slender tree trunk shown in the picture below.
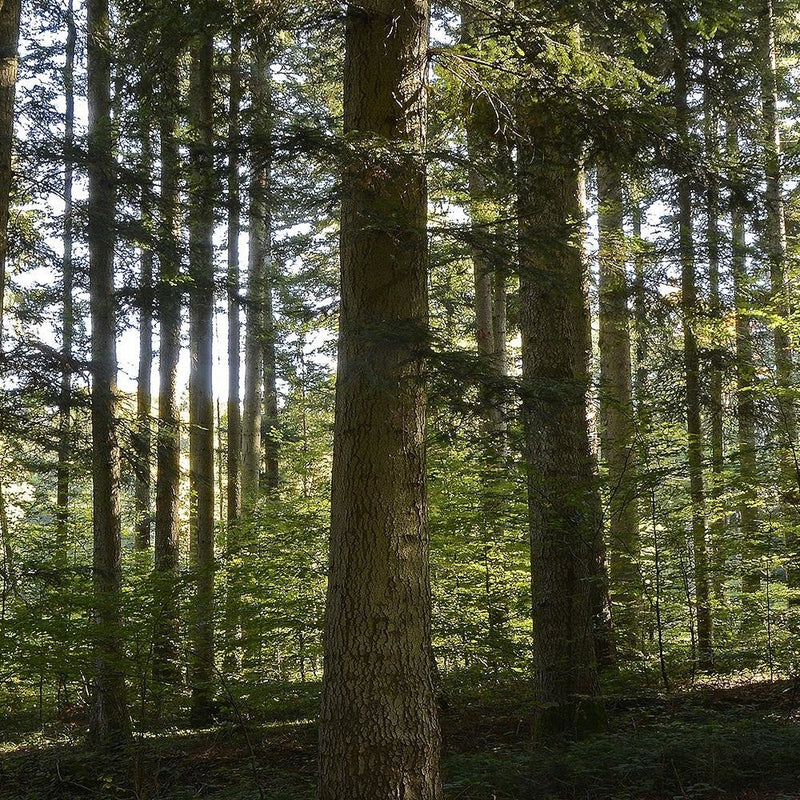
(691, 356)
(256, 265)
(745, 368)
(490, 321)
(67, 313)
(563, 500)
(201, 404)
(168, 445)
(109, 720)
(143, 438)
(781, 305)
(617, 435)
(234, 463)
(717, 516)
(9, 39)
(379, 735)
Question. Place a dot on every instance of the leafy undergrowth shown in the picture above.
(738, 743)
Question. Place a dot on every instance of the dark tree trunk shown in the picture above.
(563, 499)
(9, 40)
(168, 445)
(143, 438)
(379, 734)
(691, 357)
(109, 719)
(234, 462)
(201, 404)
(67, 280)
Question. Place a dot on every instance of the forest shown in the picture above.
(400, 400)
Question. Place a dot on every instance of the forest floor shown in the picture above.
(739, 742)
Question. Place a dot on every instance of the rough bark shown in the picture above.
(617, 434)
(691, 358)
(67, 280)
(201, 404)
(9, 40)
(143, 438)
(168, 443)
(775, 242)
(379, 733)
(109, 723)
(563, 500)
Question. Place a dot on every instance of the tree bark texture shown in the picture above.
(379, 733)
(563, 499)
(109, 723)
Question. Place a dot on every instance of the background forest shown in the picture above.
(550, 504)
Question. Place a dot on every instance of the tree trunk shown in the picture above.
(9, 40)
(490, 321)
(617, 434)
(201, 404)
(745, 369)
(781, 306)
(717, 516)
(563, 500)
(691, 356)
(67, 312)
(168, 445)
(256, 265)
(143, 438)
(109, 719)
(379, 733)
(234, 462)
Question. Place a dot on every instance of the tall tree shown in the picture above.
(9, 39)
(617, 434)
(67, 280)
(563, 500)
(379, 734)
(201, 405)
(168, 442)
(109, 722)
(234, 454)
(775, 245)
(143, 438)
(691, 359)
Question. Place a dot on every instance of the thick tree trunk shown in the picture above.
(563, 499)
(168, 445)
(143, 438)
(691, 356)
(67, 279)
(234, 462)
(776, 256)
(745, 368)
(201, 404)
(9, 39)
(379, 734)
(109, 720)
(617, 434)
